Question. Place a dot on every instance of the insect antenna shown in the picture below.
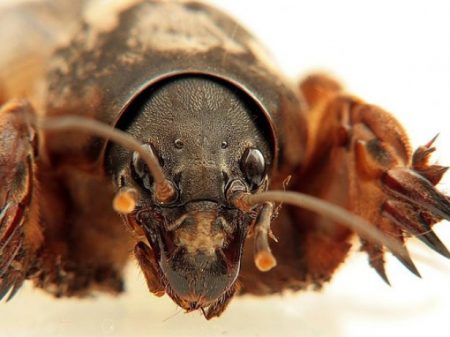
(246, 201)
(163, 188)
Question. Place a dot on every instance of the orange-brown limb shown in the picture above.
(373, 173)
(264, 259)
(358, 157)
(19, 240)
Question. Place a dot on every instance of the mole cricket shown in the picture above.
(164, 130)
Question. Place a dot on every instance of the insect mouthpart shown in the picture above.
(198, 254)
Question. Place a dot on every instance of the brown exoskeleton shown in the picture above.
(225, 126)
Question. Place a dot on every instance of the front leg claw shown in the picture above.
(412, 207)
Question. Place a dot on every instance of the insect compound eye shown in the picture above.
(140, 170)
(253, 166)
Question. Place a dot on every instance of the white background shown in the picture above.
(393, 53)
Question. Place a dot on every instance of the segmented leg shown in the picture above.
(358, 157)
(383, 181)
(20, 235)
(85, 244)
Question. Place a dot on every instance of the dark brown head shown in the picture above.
(211, 141)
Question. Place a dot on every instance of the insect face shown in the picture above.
(209, 141)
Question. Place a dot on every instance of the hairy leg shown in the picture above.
(57, 226)
(86, 244)
(20, 232)
(358, 157)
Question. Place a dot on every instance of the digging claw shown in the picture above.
(376, 258)
(432, 240)
(434, 173)
(412, 221)
(405, 259)
(417, 190)
(381, 271)
(422, 154)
